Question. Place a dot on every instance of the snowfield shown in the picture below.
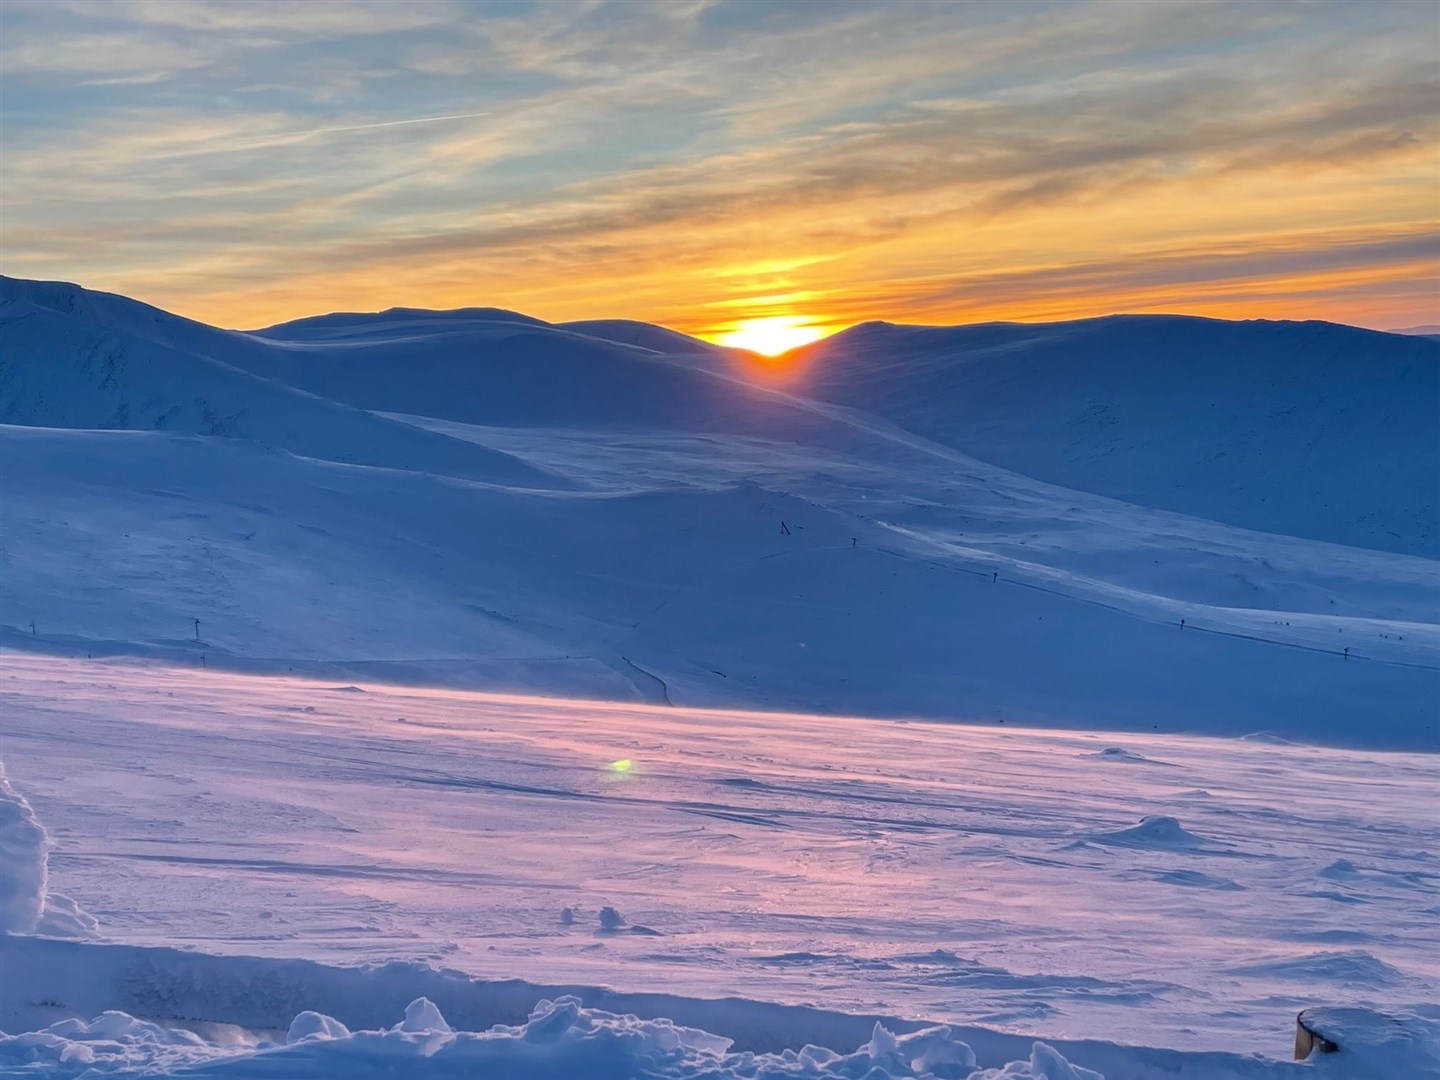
(455, 693)
(1096, 889)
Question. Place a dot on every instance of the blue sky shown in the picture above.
(706, 162)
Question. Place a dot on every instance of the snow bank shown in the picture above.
(560, 1039)
(26, 905)
(24, 846)
(243, 1004)
(1405, 1045)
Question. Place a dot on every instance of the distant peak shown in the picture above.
(337, 320)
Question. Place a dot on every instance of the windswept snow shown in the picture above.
(988, 876)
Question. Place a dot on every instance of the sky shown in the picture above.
(708, 163)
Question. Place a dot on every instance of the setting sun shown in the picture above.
(771, 336)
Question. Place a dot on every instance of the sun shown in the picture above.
(772, 335)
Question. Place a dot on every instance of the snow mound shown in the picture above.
(561, 1039)
(1351, 968)
(311, 1025)
(113, 1043)
(421, 1015)
(1154, 831)
(1119, 753)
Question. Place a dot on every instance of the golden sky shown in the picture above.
(701, 163)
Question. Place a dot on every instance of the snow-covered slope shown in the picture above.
(689, 593)
(513, 372)
(1310, 429)
(646, 336)
(73, 358)
(481, 499)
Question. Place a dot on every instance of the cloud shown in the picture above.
(326, 18)
(118, 54)
(1176, 273)
(669, 156)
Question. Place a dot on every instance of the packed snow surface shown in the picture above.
(1192, 893)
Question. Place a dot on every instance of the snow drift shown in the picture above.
(563, 1039)
(560, 1040)
(27, 903)
(23, 849)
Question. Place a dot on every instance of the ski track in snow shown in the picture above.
(993, 877)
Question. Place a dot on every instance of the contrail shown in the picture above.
(367, 127)
(269, 138)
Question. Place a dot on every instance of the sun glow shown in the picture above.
(772, 335)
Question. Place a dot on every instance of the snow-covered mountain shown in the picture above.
(1310, 429)
(73, 358)
(996, 522)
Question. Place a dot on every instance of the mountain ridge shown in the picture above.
(472, 501)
